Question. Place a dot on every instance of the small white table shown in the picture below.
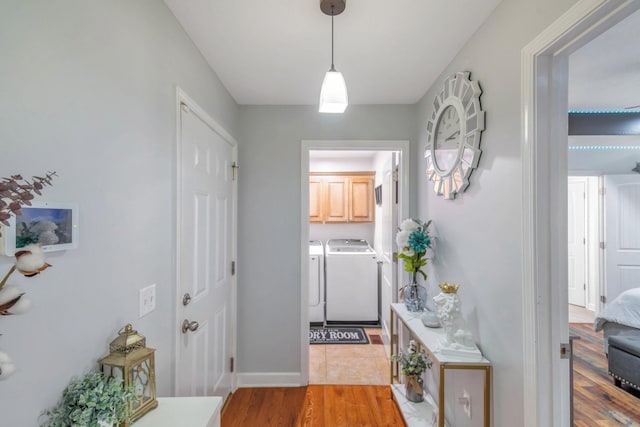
(428, 339)
(184, 412)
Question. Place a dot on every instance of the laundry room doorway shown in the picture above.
(353, 193)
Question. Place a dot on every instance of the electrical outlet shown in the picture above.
(465, 400)
(147, 298)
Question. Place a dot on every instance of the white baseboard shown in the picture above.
(263, 379)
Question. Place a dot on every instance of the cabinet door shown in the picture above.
(315, 200)
(337, 194)
(361, 199)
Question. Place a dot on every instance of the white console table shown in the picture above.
(428, 339)
(184, 412)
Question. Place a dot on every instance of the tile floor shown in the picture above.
(349, 363)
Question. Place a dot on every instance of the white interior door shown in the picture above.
(577, 241)
(389, 229)
(622, 234)
(205, 244)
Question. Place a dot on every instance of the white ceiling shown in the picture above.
(276, 52)
(605, 73)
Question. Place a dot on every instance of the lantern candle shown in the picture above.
(133, 362)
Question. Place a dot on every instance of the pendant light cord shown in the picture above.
(332, 67)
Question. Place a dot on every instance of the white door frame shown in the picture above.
(183, 98)
(308, 145)
(544, 86)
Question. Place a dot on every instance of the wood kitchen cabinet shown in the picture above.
(341, 197)
(315, 199)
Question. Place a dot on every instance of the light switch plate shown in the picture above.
(147, 297)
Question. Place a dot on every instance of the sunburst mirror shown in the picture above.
(453, 135)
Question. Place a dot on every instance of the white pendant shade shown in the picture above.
(333, 95)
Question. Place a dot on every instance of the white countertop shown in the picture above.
(430, 337)
(183, 412)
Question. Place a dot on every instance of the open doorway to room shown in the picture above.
(584, 253)
(355, 192)
(545, 79)
(602, 151)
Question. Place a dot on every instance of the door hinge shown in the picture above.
(233, 268)
(584, 286)
(584, 240)
(565, 350)
(602, 245)
(231, 367)
(395, 176)
(234, 170)
(603, 299)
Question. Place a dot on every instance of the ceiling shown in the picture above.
(605, 73)
(276, 52)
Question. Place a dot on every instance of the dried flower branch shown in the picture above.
(16, 191)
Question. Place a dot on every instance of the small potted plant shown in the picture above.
(92, 401)
(413, 364)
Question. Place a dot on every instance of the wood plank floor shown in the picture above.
(597, 401)
(312, 406)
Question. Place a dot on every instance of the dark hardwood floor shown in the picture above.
(312, 406)
(597, 401)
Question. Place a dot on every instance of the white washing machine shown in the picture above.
(316, 281)
(351, 275)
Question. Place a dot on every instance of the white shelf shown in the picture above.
(416, 414)
(431, 337)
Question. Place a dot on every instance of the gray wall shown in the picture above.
(269, 207)
(604, 155)
(480, 233)
(88, 90)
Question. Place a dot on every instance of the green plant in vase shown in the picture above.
(414, 240)
(413, 364)
(92, 401)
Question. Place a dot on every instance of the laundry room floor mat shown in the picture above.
(331, 335)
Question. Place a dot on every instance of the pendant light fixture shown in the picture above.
(333, 95)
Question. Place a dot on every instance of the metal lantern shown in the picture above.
(133, 362)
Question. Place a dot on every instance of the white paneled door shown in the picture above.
(622, 233)
(577, 241)
(388, 271)
(205, 234)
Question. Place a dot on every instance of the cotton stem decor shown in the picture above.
(15, 192)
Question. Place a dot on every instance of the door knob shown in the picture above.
(189, 326)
